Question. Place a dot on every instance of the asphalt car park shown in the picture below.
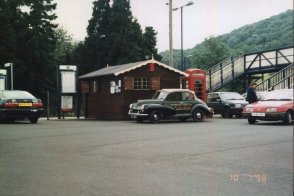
(89, 157)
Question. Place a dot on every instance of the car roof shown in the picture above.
(175, 90)
(12, 91)
(222, 92)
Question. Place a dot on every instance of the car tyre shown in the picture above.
(251, 121)
(154, 116)
(34, 120)
(227, 113)
(288, 118)
(140, 119)
(198, 115)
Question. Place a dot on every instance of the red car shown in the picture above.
(277, 105)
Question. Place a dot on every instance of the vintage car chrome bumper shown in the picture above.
(134, 114)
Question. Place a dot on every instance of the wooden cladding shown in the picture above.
(85, 87)
(129, 83)
(155, 83)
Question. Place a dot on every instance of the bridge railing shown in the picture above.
(281, 80)
(269, 58)
(231, 68)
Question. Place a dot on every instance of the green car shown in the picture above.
(181, 104)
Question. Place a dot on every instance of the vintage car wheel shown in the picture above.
(288, 118)
(34, 120)
(198, 115)
(140, 119)
(154, 116)
(251, 121)
(227, 113)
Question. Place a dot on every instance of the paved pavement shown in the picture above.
(87, 157)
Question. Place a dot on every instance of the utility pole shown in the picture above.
(171, 33)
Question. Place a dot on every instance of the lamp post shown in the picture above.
(100, 37)
(182, 52)
(170, 8)
(11, 73)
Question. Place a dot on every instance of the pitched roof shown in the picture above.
(120, 69)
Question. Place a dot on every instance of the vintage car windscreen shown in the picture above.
(160, 95)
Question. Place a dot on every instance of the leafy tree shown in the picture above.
(64, 47)
(114, 37)
(149, 43)
(212, 52)
(125, 34)
(28, 41)
(96, 45)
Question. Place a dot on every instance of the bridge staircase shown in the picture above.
(246, 65)
(283, 79)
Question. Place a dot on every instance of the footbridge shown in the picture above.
(277, 60)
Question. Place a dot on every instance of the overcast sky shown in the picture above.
(200, 20)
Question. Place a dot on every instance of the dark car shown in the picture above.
(276, 105)
(15, 104)
(226, 103)
(170, 103)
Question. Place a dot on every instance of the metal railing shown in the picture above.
(280, 80)
(232, 68)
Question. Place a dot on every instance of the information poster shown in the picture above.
(66, 103)
(68, 82)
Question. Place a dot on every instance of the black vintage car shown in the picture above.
(226, 103)
(170, 103)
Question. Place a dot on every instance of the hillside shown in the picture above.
(271, 33)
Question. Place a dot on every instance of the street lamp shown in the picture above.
(182, 52)
(263, 39)
(11, 73)
(100, 37)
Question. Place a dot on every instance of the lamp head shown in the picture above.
(190, 3)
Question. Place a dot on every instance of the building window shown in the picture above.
(115, 86)
(141, 84)
(93, 86)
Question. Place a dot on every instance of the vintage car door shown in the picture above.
(174, 99)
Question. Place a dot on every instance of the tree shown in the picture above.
(31, 42)
(211, 52)
(64, 47)
(114, 37)
(96, 43)
(125, 34)
(149, 43)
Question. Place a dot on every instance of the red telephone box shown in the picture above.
(196, 81)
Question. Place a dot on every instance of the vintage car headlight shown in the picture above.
(142, 108)
(248, 109)
(271, 110)
(131, 106)
(238, 105)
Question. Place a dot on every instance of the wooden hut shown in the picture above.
(109, 91)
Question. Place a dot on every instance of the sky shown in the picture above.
(202, 19)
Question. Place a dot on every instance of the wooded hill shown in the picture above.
(271, 33)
